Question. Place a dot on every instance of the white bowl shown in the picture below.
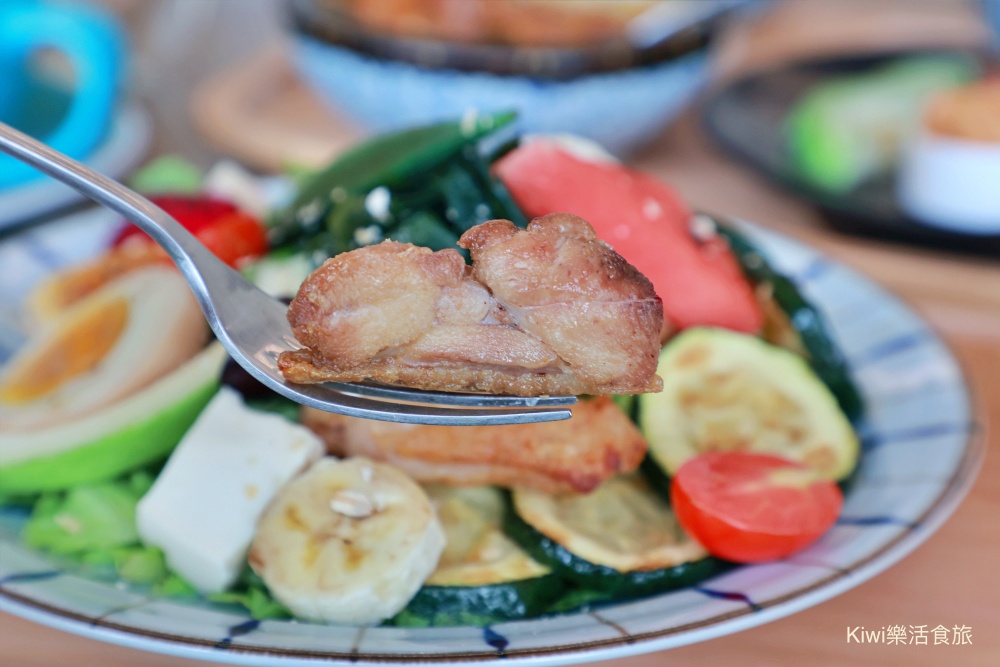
(952, 183)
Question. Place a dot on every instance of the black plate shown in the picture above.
(747, 118)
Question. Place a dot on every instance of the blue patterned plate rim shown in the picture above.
(237, 641)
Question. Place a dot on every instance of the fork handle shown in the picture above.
(201, 268)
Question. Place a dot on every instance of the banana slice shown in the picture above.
(350, 542)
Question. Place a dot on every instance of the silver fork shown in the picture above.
(252, 326)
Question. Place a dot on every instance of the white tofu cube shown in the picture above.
(204, 506)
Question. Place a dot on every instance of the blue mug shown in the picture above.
(73, 121)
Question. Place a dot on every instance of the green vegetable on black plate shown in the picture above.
(855, 126)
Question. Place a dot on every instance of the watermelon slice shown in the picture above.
(699, 280)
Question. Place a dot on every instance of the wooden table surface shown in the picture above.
(950, 580)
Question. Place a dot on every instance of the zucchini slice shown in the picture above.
(621, 538)
(792, 322)
(483, 577)
(729, 391)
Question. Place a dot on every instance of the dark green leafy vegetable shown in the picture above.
(395, 158)
(425, 229)
(465, 207)
(424, 186)
(497, 198)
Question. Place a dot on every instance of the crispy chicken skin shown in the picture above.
(571, 456)
(547, 310)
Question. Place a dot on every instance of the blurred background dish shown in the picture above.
(124, 148)
(852, 128)
(750, 116)
(63, 66)
(566, 67)
(950, 174)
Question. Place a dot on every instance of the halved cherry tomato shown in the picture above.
(194, 213)
(699, 280)
(750, 507)
(234, 237)
(228, 232)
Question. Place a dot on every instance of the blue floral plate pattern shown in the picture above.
(921, 455)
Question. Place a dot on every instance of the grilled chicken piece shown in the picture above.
(547, 310)
(571, 456)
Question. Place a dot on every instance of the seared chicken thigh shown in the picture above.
(547, 310)
(599, 442)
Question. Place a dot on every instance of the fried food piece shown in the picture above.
(552, 23)
(600, 441)
(547, 310)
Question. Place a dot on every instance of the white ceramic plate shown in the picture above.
(921, 456)
(125, 146)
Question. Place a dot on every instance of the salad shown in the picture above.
(144, 455)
